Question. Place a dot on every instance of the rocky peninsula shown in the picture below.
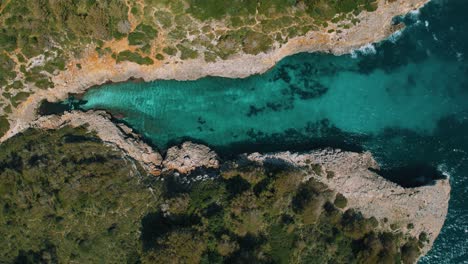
(412, 211)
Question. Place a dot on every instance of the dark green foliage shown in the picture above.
(410, 251)
(133, 57)
(142, 35)
(18, 98)
(6, 69)
(237, 221)
(423, 237)
(282, 243)
(326, 10)
(137, 38)
(340, 201)
(31, 24)
(51, 27)
(44, 83)
(186, 52)
(214, 9)
(170, 51)
(4, 125)
(47, 254)
(159, 56)
(65, 197)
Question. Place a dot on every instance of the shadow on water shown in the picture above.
(413, 175)
(274, 143)
(58, 108)
(47, 108)
(316, 135)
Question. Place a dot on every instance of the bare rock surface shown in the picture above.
(119, 136)
(413, 210)
(190, 156)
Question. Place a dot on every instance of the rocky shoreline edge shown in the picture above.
(407, 210)
(95, 70)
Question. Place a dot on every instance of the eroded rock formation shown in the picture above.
(190, 156)
(119, 136)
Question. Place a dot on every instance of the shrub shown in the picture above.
(4, 125)
(133, 57)
(340, 201)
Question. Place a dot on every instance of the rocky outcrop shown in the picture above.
(190, 156)
(119, 136)
(407, 210)
(411, 210)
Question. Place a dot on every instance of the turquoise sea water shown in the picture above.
(405, 100)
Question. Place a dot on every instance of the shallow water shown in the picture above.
(405, 99)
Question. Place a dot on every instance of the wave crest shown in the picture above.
(368, 49)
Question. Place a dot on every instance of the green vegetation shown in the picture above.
(51, 32)
(4, 125)
(264, 215)
(65, 197)
(6, 68)
(133, 57)
(18, 98)
(186, 52)
(38, 38)
(340, 201)
(215, 9)
(327, 10)
(142, 36)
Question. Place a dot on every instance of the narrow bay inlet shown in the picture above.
(202, 131)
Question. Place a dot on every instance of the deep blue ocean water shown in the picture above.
(404, 99)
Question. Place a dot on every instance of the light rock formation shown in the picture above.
(119, 136)
(190, 156)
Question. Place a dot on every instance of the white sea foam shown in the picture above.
(414, 15)
(393, 38)
(368, 49)
(444, 170)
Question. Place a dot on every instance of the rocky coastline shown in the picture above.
(119, 136)
(412, 210)
(407, 210)
(94, 70)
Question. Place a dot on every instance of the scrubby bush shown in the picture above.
(340, 201)
(4, 125)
